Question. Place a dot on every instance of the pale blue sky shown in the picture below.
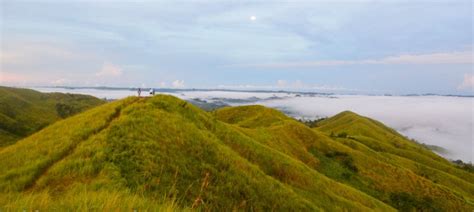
(356, 46)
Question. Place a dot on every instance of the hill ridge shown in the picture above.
(164, 146)
(71, 148)
(25, 111)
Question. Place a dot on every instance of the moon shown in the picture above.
(253, 18)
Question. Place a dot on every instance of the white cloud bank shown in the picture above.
(464, 57)
(436, 120)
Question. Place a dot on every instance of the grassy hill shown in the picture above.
(163, 153)
(25, 111)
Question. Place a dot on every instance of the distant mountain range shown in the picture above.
(172, 90)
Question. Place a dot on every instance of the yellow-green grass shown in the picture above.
(380, 138)
(25, 111)
(162, 153)
(159, 147)
(399, 181)
(82, 199)
(431, 175)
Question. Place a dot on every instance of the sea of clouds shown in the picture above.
(436, 120)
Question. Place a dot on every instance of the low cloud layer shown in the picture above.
(435, 120)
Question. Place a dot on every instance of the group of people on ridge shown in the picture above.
(152, 92)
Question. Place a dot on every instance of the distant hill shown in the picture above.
(163, 153)
(25, 111)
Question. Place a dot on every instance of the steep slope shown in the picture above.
(25, 111)
(408, 177)
(411, 175)
(158, 150)
(382, 139)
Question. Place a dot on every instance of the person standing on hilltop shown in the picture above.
(139, 91)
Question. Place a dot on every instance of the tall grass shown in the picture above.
(84, 200)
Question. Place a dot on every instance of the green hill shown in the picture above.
(365, 155)
(163, 153)
(25, 111)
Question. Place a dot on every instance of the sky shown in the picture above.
(358, 46)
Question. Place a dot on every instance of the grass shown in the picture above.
(25, 111)
(346, 159)
(397, 167)
(80, 199)
(163, 153)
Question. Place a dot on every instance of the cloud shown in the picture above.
(162, 84)
(436, 58)
(11, 78)
(31, 79)
(468, 82)
(34, 53)
(8, 57)
(177, 84)
(464, 57)
(61, 81)
(409, 115)
(281, 83)
(296, 85)
(109, 70)
(300, 85)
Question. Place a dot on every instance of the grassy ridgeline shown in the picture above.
(163, 153)
(25, 111)
(364, 154)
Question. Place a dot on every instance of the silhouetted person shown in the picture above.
(139, 92)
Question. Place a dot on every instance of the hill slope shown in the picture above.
(25, 111)
(363, 154)
(155, 152)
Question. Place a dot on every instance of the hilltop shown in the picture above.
(165, 153)
(25, 111)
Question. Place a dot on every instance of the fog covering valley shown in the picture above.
(444, 121)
